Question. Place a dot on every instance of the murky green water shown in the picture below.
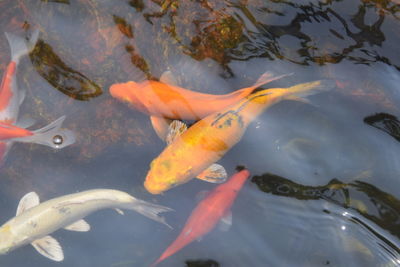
(325, 176)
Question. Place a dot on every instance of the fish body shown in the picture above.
(165, 100)
(11, 97)
(9, 131)
(209, 139)
(208, 213)
(34, 221)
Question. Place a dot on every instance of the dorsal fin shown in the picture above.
(28, 201)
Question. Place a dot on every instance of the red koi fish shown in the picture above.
(166, 100)
(208, 213)
(11, 98)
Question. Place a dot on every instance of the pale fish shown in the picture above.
(35, 221)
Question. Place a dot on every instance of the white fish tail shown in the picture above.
(51, 135)
(19, 46)
(149, 210)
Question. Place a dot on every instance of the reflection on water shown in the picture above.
(378, 206)
(385, 122)
(305, 219)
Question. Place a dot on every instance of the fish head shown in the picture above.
(7, 239)
(128, 93)
(164, 175)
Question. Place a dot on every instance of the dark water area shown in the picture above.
(325, 176)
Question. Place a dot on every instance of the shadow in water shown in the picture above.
(373, 204)
(62, 77)
(201, 263)
(247, 29)
(385, 122)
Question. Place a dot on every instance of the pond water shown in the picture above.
(325, 176)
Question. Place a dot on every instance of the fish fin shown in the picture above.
(46, 135)
(216, 173)
(28, 201)
(149, 210)
(304, 90)
(268, 77)
(160, 126)
(19, 46)
(300, 99)
(22, 94)
(175, 129)
(168, 78)
(25, 122)
(78, 226)
(49, 247)
(121, 212)
(226, 222)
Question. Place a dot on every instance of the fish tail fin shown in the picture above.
(300, 92)
(51, 135)
(19, 46)
(149, 210)
(266, 77)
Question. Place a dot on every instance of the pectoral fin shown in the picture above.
(175, 129)
(78, 226)
(214, 174)
(160, 126)
(49, 247)
(28, 201)
(226, 222)
(121, 212)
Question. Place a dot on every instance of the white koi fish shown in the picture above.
(11, 98)
(34, 221)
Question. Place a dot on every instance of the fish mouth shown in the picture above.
(153, 188)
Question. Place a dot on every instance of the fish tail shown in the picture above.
(19, 46)
(51, 135)
(301, 91)
(266, 77)
(149, 210)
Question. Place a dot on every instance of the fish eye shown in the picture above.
(58, 140)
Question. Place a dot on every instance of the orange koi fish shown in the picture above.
(209, 139)
(10, 100)
(165, 100)
(208, 213)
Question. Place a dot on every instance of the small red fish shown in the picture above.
(11, 97)
(208, 213)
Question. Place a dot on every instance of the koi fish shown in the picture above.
(11, 98)
(34, 221)
(165, 100)
(211, 210)
(206, 141)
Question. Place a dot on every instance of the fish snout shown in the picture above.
(154, 188)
